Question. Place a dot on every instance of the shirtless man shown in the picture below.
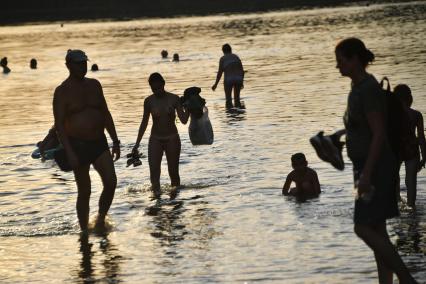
(81, 116)
(231, 65)
(306, 179)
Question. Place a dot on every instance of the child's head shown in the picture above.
(403, 92)
(298, 161)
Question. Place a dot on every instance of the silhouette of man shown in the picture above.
(81, 116)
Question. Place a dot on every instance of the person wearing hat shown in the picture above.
(81, 117)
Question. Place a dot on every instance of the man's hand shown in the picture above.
(214, 87)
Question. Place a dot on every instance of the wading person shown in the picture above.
(230, 64)
(414, 148)
(164, 138)
(81, 116)
(374, 164)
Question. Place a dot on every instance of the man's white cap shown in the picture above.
(76, 55)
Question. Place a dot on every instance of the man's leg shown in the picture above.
(237, 91)
(411, 180)
(228, 95)
(82, 179)
(104, 165)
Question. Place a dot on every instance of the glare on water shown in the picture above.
(230, 222)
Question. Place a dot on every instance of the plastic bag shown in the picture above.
(201, 130)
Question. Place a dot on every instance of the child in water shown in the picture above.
(305, 178)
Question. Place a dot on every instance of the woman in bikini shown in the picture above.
(231, 65)
(162, 106)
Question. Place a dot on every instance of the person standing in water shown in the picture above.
(164, 138)
(231, 65)
(375, 165)
(81, 117)
(414, 149)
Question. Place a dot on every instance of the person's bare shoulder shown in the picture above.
(290, 175)
(93, 82)
(61, 90)
(418, 114)
(312, 172)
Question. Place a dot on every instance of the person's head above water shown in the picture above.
(157, 83)
(33, 63)
(76, 62)
(3, 62)
(403, 92)
(164, 53)
(176, 57)
(94, 67)
(226, 48)
(352, 55)
(298, 161)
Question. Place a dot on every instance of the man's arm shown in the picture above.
(287, 184)
(219, 74)
(59, 114)
(109, 124)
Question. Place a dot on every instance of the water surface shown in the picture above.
(230, 224)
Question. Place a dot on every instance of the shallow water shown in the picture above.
(229, 223)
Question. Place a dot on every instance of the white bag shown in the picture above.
(201, 130)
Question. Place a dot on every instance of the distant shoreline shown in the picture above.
(19, 12)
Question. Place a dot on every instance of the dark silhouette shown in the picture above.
(305, 178)
(374, 163)
(33, 63)
(164, 54)
(81, 116)
(175, 57)
(414, 149)
(230, 64)
(3, 63)
(162, 106)
(94, 67)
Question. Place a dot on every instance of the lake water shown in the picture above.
(230, 223)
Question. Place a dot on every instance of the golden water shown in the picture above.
(230, 224)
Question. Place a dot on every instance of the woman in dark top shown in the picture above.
(374, 164)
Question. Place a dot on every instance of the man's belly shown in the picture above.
(88, 124)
